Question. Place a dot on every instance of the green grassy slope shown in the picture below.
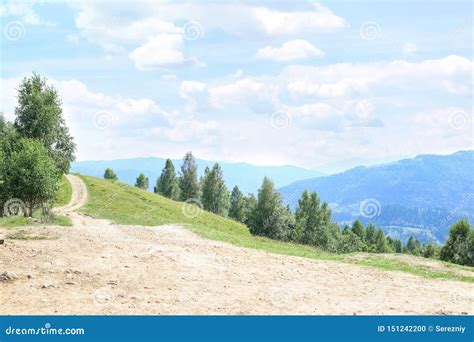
(62, 198)
(129, 205)
(64, 194)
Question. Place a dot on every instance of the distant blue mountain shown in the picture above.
(248, 177)
(422, 196)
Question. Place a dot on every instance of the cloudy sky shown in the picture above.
(323, 85)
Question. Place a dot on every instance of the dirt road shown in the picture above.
(98, 267)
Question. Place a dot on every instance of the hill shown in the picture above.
(247, 176)
(422, 196)
(129, 205)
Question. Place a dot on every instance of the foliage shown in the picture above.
(460, 245)
(237, 209)
(269, 217)
(313, 223)
(142, 182)
(110, 174)
(188, 184)
(215, 196)
(29, 174)
(168, 184)
(39, 116)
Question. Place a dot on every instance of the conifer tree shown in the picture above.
(168, 184)
(215, 196)
(142, 182)
(237, 205)
(189, 184)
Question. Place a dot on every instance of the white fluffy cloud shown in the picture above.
(291, 50)
(318, 19)
(161, 50)
(451, 74)
(23, 10)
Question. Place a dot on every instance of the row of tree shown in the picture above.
(35, 150)
(311, 224)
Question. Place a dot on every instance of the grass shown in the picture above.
(20, 221)
(129, 205)
(64, 194)
(24, 235)
(62, 198)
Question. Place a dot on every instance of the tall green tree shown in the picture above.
(269, 217)
(189, 184)
(215, 196)
(313, 222)
(237, 205)
(358, 229)
(29, 174)
(380, 242)
(460, 245)
(110, 174)
(250, 205)
(142, 182)
(168, 183)
(39, 116)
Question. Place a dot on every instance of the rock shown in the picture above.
(8, 276)
(2, 241)
(47, 286)
(71, 283)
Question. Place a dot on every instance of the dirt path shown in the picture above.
(97, 267)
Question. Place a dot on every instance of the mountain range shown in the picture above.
(421, 196)
(247, 176)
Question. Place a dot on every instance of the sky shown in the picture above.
(321, 85)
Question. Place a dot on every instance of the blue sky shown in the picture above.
(323, 85)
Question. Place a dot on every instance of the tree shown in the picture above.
(380, 242)
(397, 244)
(250, 204)
(110, 174)
(189, 185)
(349, 242)
(370, 234)
(30, 175)
(142, 182)
(460, 245)
(358, 229)
(237, 205)
(269, 217)
(413, 246)
(215, 196)
(167, 184)
(39, 116)
(313, 222)
(430, 251)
